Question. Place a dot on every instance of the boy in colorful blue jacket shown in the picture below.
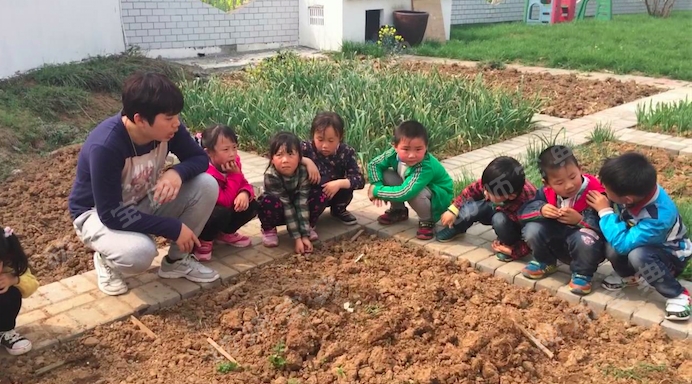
(646, 236)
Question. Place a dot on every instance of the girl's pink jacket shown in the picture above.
(230, 185)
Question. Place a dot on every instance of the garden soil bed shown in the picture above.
(565, 96)
(415, 318)
(674, 172)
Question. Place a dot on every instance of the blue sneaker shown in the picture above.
(580, 284)
(447, 234)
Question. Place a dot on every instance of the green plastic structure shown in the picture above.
(604, 10)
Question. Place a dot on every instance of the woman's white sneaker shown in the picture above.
(110, 281)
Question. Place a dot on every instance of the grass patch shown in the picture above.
(671, 118)
(601, 134)
(226, 367)
(57, 105)
(639, 372)
(627, 44)
(286, 92)
(351, 49)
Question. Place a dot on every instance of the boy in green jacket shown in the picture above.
(408, 173)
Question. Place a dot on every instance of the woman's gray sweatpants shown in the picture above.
(132, 252)
(421, 203)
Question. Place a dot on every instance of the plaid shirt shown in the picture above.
(341, 165)
(474, 192)
(293, 194)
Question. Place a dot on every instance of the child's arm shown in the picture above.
(232, 185)
(274, 186)
(28, 284)
(302, 209)
(531, 211)
(415, 182)
(378, 165)
(472, 192)
(353, 172)
(624, 240)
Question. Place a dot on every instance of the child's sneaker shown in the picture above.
(447, 234)
(614, 282)
(345, 217)
(14, 343)
(503, 257)
(269, 238)
(203, 252)
(426, 230)
(313, 234)
(392, 216)
(679, 308)
(580, 284)
(536, 270)
(234, 239)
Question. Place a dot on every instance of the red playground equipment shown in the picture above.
(550, 11)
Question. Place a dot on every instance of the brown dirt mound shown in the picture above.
(566, 96)
(416, 319)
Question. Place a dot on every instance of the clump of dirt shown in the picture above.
(34, 204)
(674, 172)
(398, 315)
(565, 96)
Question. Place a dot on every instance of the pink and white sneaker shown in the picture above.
(203, 252)
(270, 238)
(313, 234)
(234, 239)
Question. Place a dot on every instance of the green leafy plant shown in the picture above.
(226, 367)
(602, 134)
(277, 359)
(284, 93)
(390, 41)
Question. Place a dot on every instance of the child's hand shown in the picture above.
(501, 248)
(379, 203)
(331, 188)
(371, 196)
(6, 281)
(230, 167)
(569, 216)
(308, 244)
(447, 219)
(597, 201)
(313, 172)
(550, 211)
(300, 246)
(241, 202)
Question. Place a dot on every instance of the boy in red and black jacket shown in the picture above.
(494, 200)
(560, 225)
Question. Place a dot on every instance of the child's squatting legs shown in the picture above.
(421, 203)
(659, 268)
(550, 241)
(11, 303)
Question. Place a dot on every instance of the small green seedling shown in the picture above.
(340, 372)
(277, 358)
(226, 367)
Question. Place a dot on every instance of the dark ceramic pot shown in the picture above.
(411, 25)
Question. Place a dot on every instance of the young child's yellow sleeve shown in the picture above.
(28, 284)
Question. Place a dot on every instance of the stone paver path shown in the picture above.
(66, 309)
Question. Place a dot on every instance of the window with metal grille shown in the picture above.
(316, 13)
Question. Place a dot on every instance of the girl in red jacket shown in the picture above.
(236, 204)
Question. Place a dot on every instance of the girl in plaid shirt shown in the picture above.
(288, 198)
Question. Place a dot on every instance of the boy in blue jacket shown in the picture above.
(646, 236)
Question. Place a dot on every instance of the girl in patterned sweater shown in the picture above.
(288, 198)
